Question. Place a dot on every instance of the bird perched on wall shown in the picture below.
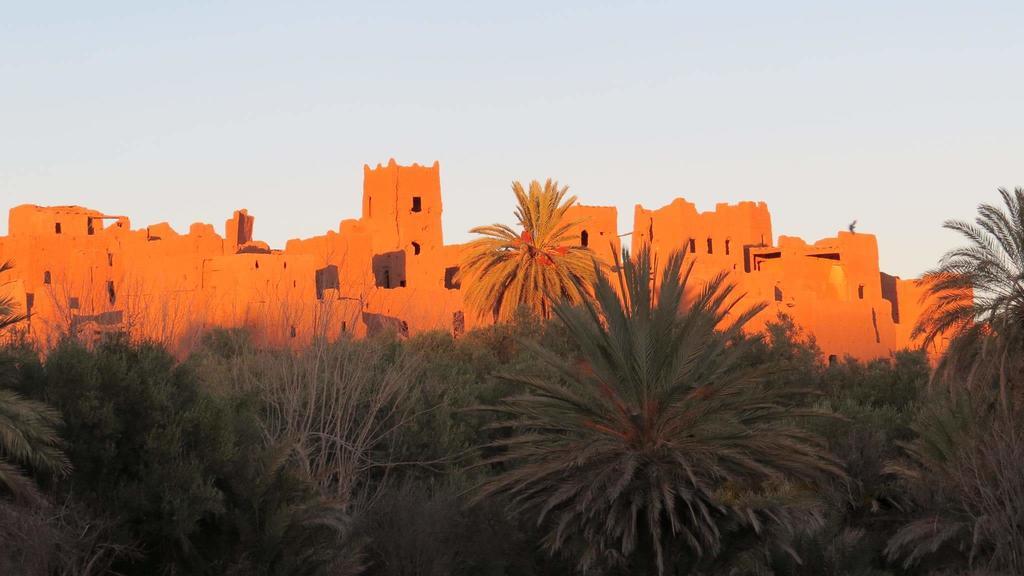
(853, 227)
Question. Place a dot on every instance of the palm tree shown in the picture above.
(533, 267)
(977, 298)
(284, 525)
(7, 316)
(963, 476)
(28, 433)
(659, 435)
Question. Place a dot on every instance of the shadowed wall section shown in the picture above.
(81, 272)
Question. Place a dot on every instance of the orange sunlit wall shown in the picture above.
(81, 272)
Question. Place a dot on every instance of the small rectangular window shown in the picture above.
(860, 291)
(417, 204)
(693, 246)
(46, 277)
(56, 228)
(727, 247)
(73, 303)
(111, 294)
(710, 246)
(451, 278)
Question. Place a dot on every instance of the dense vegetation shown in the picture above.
(636, 432)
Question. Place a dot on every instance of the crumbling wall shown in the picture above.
(84, 273)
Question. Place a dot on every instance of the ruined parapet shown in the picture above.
(717, 238)
(238, 230)
(597, 228)
(58, 222)
(82, 271)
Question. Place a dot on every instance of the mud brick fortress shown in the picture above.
(82, 272)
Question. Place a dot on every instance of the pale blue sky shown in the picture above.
(899, 114)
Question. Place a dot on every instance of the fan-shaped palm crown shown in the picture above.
(651, 439)
(977, 297)
(534, 267)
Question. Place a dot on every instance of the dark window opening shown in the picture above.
(860, 291)
(890, 293)
(111, 294)
(257, 264)
(326, 278)
(46, 277)
(285, 265)
(778, 294)
(650, 231)
(727, 243)
(826, 256)
(451, 280)
(401, 283)
(584, 239)
(759, 258)
(832, 359)
(417, 204)
(692, 244)
(416, 248)
(389, 269)
(293, 332)
(90, 229)
(295, 283)
(73, 303)
(458, 324)
(369, 206)
(30, 299)
(711, 248)
(344, 326)
(56, 228)
(110, 259)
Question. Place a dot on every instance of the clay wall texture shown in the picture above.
(86, 273)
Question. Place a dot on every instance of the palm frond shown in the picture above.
(975, 299)
(626, 454)
(536, 267)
